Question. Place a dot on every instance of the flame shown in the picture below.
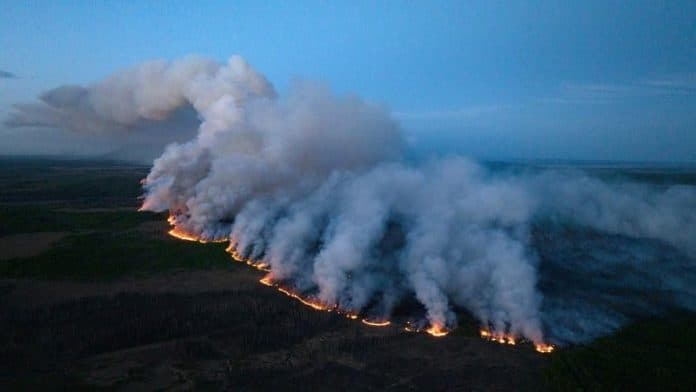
(434, 330)
(178, 232)
(318, 305)
(504, 338)
(437, 330)
(376, 323)
(183, 235)
(266, 280)
(313, 303)
(498, 337)
(259, 265)
(236, 256)
(186, 236)
(544, 348)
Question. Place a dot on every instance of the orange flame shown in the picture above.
(236, 256)
(376, 323)
(314, 304)
(504, 338)
(437, 330)
(186, 236)
(183, 235)
(544, 348)
(434, 330)
(499, 337)
(266, 280)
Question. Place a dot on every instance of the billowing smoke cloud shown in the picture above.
(151, 91)
(314, 185)
(136, 100)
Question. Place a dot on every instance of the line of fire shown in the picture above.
(433, 330)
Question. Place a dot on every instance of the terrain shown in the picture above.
(95, 295)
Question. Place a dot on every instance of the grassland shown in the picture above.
(652, 355)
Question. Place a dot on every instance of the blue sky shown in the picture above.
(604, 80)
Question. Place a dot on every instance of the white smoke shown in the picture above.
(314, 184)
(137, 99)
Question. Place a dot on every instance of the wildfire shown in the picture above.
(376, 323)
(236, 256)
(318, 305)
(498, 337)
(544, 348)
(434, 330)
(437, 331)
(314, 304)
(259, 265)
(504, 338)
(183, 235)
(266, 280)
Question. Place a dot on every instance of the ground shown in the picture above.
(95, 295)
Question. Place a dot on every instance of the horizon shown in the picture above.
(541, 162)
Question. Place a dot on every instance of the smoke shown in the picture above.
(315, 185)
(151, 100)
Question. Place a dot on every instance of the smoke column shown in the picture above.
(314, 185)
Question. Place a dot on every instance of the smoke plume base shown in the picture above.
(408, 326)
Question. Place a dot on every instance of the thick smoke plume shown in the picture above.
(314, 185)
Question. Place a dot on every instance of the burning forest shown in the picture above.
(314, 188)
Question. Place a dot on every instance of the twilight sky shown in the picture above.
(605, 80)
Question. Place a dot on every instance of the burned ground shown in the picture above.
(115, 303)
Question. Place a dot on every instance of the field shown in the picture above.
(95, 295)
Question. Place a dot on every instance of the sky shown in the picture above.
(590, 80)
